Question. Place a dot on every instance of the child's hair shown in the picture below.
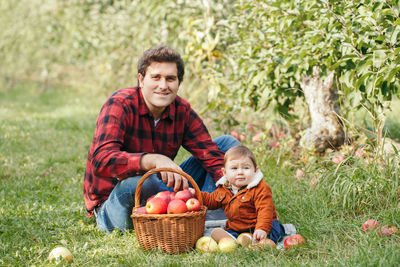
(239, 151)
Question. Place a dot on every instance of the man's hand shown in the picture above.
(151, 161)
(259, 234)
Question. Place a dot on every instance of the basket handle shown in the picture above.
(157, 170)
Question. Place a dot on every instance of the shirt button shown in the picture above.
(242, 197)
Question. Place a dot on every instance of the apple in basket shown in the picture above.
(141, 210)
(177, 206)
(193, 204)
(164, 195)
(184, 195)
(156, 205)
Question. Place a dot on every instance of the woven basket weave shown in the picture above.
(172, 233)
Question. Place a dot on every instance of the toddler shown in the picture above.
(245, 197)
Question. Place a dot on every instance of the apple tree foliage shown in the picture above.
(265, 48)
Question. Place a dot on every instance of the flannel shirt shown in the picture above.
(125, 131)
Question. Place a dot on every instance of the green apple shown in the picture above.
(206, 244)
(227, 244)
(59, 253)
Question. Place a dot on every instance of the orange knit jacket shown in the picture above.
(251, 208)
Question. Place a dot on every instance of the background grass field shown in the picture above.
(44, 139)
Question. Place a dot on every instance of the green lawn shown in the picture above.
(44, 139)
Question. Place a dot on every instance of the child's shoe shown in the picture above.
(218, 233)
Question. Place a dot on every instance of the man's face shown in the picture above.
(159, 86)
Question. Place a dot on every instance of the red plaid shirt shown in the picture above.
(125, 131)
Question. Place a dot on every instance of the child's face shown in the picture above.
(239, 171)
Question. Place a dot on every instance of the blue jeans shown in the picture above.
(276, 234)
(115, 212)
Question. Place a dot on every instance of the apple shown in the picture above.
(245, 239)
(227, 244)
(299, 174)
(156, 205)
(235, 134)
(250, 127)
(242, 137)
(165, 195)
(193, 204)
(293, 240)
(206, 244)
(172, 195)
(388, 230)
(338, 159)
(370, 225)
(176, 206)
(60, 252)
(184, 195)
(141, 210)
(263, 244)
(256, 138)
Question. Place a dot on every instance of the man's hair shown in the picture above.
(162, 53)
(239, 151)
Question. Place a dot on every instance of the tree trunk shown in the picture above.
(326, 128)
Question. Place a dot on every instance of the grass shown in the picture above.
(44, 139)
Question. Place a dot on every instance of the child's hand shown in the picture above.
(259, 234)
(192, 191)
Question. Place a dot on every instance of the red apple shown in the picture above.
(141, 210)
(172, 195)
(166, 195)
(242, 137)
(370, 225)
(156, 205)
(193, 204)
(388, 230)
(299, 174)
(235, 134)
(177, 206)
(184, 195)
(293, 240)
(338, 159)
(256, 138)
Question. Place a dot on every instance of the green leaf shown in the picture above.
(379, 57)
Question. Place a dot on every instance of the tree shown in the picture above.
(270, 48)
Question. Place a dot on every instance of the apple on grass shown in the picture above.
(206, 244)
(184, 195)
(177, 206)
(388, 230)
(156, 205)
(193, 204)
(227, 244)
(245, 239)
(370, 225)
(59, 253)
(294, 240)
(263, 244)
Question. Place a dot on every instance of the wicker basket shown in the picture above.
(172, 233)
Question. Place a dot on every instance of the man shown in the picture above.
(142, 128)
